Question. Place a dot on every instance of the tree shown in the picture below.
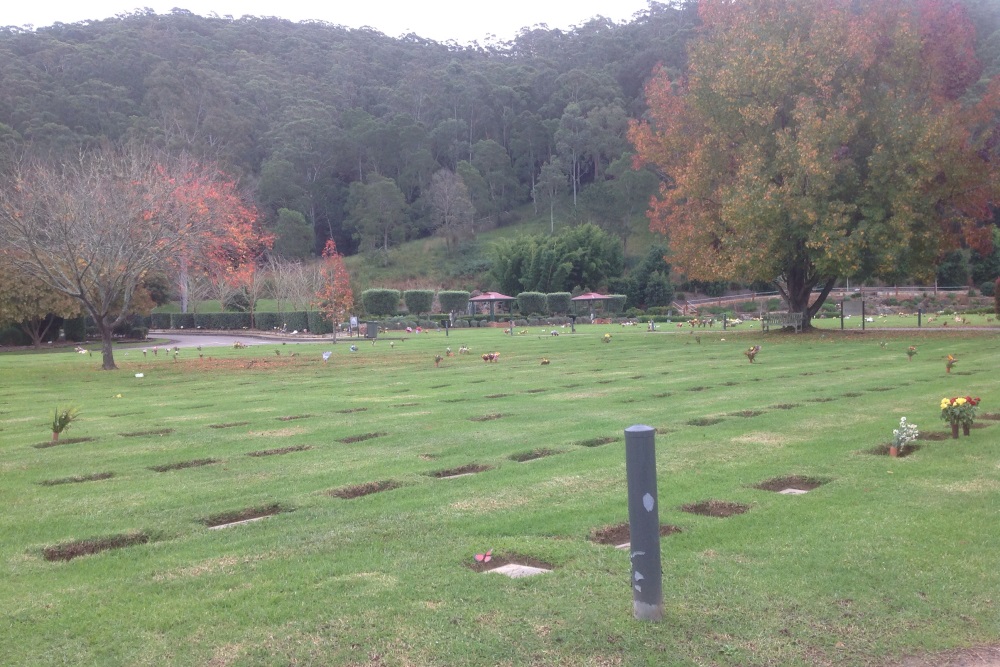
(293, 235)
(91, 228)
(377, 213)
(816, 140)
(451, 207)
(335, 299)
(29, 303)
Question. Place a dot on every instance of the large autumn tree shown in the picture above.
(820, 139)
(94, 226)
(335, 299)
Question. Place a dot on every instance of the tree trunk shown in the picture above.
(107, 353)
(797, 291)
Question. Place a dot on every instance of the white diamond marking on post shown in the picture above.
(648, 502)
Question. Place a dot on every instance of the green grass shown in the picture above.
(888, 557)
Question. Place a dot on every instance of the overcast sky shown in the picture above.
(440, 20)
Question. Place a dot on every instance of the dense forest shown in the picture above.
(338, 133)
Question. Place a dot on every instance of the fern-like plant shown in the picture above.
(61, 419)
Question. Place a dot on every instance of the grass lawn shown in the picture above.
(886, 558)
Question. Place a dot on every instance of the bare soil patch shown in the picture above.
(596, 442)
(496, 396)
(605, 381)
(698, 388)
(570, 386)
(535, 391)
(292, 418)
(193, 463)
(935, 436)
(468, 469)
(228, 425)
(77, 479)
(851, 394)
(279, 451)
(243, 515)
(350, 410)
(730, 384)
(883, 449)
(665, 394)
(703, 421)
(619, 533)
(361, 438)
(821, 399)
(532, 455)
(785, 406)
(405, 405)
(358, 490)
(506, 559)
(792, 482)
(486, 418)
(141, 434)
(979, 656)
(716, 508)
(881, 389)
(453, 400)
(990, 416)
(439, 386)
(71, 550)
(64, 441)
(746, 413)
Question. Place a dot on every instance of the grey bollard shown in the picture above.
(644, 523)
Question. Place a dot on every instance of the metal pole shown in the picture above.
(841, 313)
(919, 313)
(644, 522)
(723, 321)
(862, 311)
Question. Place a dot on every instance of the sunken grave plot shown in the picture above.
(63, 441)
(404, 405)
(821, 399)
(533, 455)
(361, 438)
(704, 421)
(496, 395)
(280, 450)
(486, 418)
(619, 536)
(289, 418)
(243, 516)
(535, 391)
(71, 550)
(461, 471)
(933, 436)
(596, 442)
(180, 465)
(359, 490)
(791, 485)
(349, 411)
(76, 479)
(143, 434)
(717, 508)
(883, 449)
(514, 565)
(746, 413)
(228, 425)
(851, 394)
(785, 406)
(990, 416)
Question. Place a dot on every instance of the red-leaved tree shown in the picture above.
(334, 298)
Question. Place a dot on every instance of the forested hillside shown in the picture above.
(339, 132)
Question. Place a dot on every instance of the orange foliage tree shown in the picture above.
(334, 298)
(821, 139)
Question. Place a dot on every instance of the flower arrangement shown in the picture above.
(61, 420)
(903, 436)
(751, 352)
(960, 409)
(607, 338)
(910, 351)
(949, 362)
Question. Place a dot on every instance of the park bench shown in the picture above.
(781, 320)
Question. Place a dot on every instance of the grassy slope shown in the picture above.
(889, 557)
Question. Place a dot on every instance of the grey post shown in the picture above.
(644, 522)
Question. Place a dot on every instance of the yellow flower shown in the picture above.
(959, 401)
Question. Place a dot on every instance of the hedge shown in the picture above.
(380, 301)
(454, 301)
(558, 303)
(418, 300)
(531, 302)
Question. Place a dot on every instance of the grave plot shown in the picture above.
(142, 434)
(193, 463)
(785, 406)
(76, 479)
(596, 442)
(350, 411)
(71, 550)
(704, 421)
(717, 508)
(618, 535)
(746, 413)
(243, 516)
(358, 490)
(361, 438)
(281, 450)
(792, 485)
(532, 455)
(63, 441)
(883, 449)
(486, 418)
(461, 471)
(513, 565)
(228, 425)
(292, 418)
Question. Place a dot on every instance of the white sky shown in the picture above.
(440, 20)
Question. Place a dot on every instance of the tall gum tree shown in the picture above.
(92, 227)
(821, 139)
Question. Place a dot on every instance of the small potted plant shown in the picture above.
(61, 420)
(903, 437)
(967, 413)
(910, 351)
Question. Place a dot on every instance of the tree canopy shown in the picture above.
(822, 139)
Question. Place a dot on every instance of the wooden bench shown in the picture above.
(781, 320)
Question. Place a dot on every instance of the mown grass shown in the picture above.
(888, 557)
